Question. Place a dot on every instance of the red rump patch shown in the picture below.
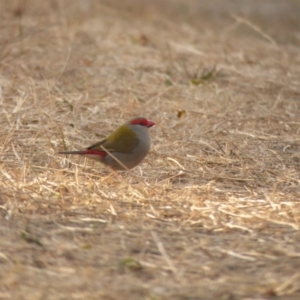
(95, 152)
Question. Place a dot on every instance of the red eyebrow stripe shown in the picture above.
(138, 121)
(95, 152)
(143, 122)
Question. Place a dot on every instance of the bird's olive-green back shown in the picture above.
(122, 140)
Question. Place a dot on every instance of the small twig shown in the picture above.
(164, 254)
(65, 65)
(255, 28)
(280, 289)
(117, 160)
(220, 146)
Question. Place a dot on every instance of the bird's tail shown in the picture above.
(82, 152)
(93, 154)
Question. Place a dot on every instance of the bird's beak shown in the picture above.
(150, 124)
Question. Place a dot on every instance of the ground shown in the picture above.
(213, 212)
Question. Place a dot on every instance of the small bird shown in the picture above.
(123, 149)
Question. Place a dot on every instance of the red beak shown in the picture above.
(150, 124)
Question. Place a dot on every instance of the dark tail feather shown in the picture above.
(72, 152)
(90, 153)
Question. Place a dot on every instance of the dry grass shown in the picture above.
(213, 212)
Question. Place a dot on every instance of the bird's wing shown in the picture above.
(122, 140)
(96, 146)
